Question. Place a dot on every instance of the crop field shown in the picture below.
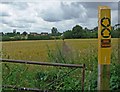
(77, 51)
(38, 50)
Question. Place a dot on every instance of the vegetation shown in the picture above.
(77, 51)
(43, 37)
(54, 32)
(77, 32)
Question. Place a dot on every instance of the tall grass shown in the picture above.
(57, 78)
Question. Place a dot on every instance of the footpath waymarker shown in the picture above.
(104, 47)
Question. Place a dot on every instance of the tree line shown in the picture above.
(77, 32)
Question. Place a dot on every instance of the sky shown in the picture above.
(43, 15)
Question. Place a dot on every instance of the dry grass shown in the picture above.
(38, 50)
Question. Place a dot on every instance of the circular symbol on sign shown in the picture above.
(103, 19)
(102, 32)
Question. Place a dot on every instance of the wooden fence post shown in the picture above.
(104, 47)
(83, 77)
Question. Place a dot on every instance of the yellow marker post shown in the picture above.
(104, 47)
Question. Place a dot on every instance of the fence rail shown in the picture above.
(24, 88)
(42, 63)
(46, 64)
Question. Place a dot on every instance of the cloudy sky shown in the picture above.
(43, 15)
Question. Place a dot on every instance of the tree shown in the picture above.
(10, 34)
(54, 31)
(67, 34)
(95, 32)
(24, 33)
(77, 31)
(115, 33)
(18, 33)
(95, 28)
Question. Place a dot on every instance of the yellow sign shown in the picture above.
(104, 35)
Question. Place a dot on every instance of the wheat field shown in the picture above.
(38, 50)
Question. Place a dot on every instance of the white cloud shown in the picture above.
(114, 17)
(63, 11)
(43, 15)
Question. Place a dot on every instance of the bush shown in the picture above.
(44, 37)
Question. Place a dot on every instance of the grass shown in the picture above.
(71, 51)
(27, 50)
(37, 50)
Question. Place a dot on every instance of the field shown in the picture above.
(77, 51)
(38, 50)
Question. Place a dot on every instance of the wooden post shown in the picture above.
(0, 76)
(0, 63)
(104, 47)
(83, 77)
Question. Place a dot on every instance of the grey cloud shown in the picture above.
(63, 12)
(51, 15)
(25, 20)
(4, 14)
(5, 2)
(17, 5)
(13, 23)
(94, 5)
(92, 13)
(20, 25)
(41, 29)
(4, 21)
(6, 30)
(74, 10)
(21, 5)
(51, 19)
